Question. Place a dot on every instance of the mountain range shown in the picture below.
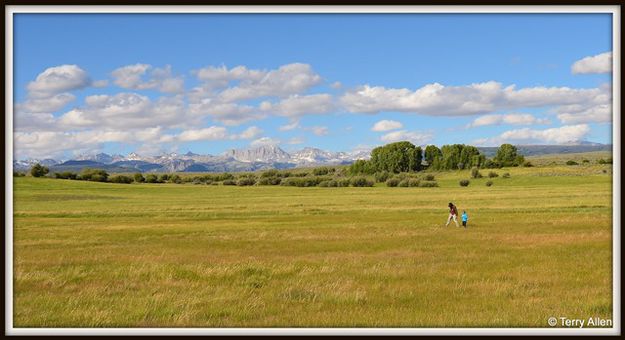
(259, 158)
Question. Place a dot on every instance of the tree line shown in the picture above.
(406, 157)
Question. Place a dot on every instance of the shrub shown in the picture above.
(333, 183)
(18, 174)
(66, 175)
(492, 164)
(571, 162)
(269, 181)
(343, 182)
(403, 183)
(175, 179)
(246, 181)
(381, 176)
(224, 176)
(585, 161)
(229, 182)
(361, 182)
(506, 175)
(605, 161)
(139, 178)
(493, 174)
(121, 179)
(489, 183)
(269, 173)
(39, 170)
(164, 178)
(413, 182)
(475, 173)
(429, 177)
(428, 184)
(94, 175)
(322, 171)
(392, 182)
(528, 164)
(151, 178)
(464, 183)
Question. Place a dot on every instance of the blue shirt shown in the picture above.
(465, 217)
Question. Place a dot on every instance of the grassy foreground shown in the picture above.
(166, 255)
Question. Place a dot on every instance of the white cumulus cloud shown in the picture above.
(601, 63)
(511, 118)
(161, 79)
(415, 137)
(298, 105)
(209, 133)
(58, 79)
(560, 135)
(125, 111)
(481, 98)
(387, 125)
(264, 141)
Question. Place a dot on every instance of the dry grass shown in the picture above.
(114, 255)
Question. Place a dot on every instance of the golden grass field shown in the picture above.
(539, 244)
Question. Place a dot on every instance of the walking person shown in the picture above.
(453, 214)
(465, 219)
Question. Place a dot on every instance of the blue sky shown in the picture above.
(155, 83)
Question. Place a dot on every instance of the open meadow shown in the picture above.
(539, 244)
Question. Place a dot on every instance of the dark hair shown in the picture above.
(451, 204)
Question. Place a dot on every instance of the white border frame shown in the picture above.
(616, 179)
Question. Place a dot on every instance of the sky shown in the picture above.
(206, 83)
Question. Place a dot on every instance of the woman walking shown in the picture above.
(453, 214)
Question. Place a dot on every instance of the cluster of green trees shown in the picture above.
(406, 157)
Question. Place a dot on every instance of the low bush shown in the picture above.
(246, 181)
(302, 181)
(164, 178)
(571, 162)
(269, 174)
(493, 174)
(361, 181)
(269, 181)
(528, 164)
(585, 161)
(324, 170)
(392, 182)
(18, 174)
(428, 177)
(39, 170)
(175, 179)
(489, 183)
(403, 183)
(94, 175)
(121, 179)
(139, 178)
(381, 176)
(506, 175)
(343, 182)
(464, 182)
(151, 178)
(413, 182)
(66, 175)
(475, 173)
(605, 161)
(229, 182)
(429, 184)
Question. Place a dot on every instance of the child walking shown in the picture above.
(465, 218)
